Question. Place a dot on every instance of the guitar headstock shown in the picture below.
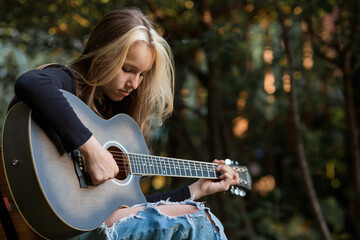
(245, 182)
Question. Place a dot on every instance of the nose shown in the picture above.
(133, 82)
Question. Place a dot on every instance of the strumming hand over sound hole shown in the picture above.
(121, 160)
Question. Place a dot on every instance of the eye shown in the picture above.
(126, 69)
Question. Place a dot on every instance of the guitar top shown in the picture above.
(50, 187)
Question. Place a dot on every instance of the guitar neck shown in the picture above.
(141, 164)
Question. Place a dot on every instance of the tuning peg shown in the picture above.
(228, 162)
(237, 191)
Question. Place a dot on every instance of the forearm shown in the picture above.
(39, 89)
(195, 190)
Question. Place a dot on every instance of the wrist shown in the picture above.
(88, 146)
(195, 190)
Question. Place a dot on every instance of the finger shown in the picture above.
(226, 168)
(229, 169)
(231, 175)
(226, 175)
(222, 165)
(226, 182)
(94, 181)
(218, 161)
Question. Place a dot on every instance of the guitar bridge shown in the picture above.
(79, 166)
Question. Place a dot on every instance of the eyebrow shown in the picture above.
(135, 67)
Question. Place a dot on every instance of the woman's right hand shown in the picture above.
(99, 162)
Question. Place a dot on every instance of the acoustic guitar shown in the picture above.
(50, 187)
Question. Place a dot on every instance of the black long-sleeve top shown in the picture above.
(39, 89)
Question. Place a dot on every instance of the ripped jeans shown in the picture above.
(152, 224)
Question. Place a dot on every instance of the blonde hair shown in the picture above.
(104, 55)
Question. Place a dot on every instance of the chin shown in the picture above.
(118, 99)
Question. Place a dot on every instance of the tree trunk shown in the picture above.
(310, 190)
(241, 206)
(353, 132)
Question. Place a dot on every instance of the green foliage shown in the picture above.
(230, 59)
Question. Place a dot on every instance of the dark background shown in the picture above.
(273, 85)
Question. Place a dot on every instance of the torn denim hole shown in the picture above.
(151, 208)
(109, 231)
(202, 211)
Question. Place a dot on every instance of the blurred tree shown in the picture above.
(233, 86)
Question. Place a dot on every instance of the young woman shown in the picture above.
(126, 67)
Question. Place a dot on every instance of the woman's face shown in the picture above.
(138, 62)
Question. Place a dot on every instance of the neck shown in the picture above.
(153, 165)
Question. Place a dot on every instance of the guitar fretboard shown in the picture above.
(141, 164)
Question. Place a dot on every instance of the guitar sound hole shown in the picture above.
(121, 160)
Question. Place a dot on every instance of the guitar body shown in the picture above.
(42, 179)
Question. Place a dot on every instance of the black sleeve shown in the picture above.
(39, 89)
(177, 195)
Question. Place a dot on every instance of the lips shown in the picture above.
(124, 93)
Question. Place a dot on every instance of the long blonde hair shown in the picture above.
(104, 55)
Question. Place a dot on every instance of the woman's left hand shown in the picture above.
(204, 187)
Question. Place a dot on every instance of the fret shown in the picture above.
(159, 166)
(138, 163)
(143, 165)
(146, 164)
(198, 169)
(132, 166)
(172, 167)
(160, 162)
(182, 168)
(151, 165)
(133, 163)
(156, 166)
(212, 172)
(149, 161)
(176, 168)
(167, 166)
(206, 173)
(192, 170)
(162, 167)
(188, 169)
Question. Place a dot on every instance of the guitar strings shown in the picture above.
(143, 163)
(125, 167)
(138, 160)
(169, 167)
(121, 156)
(150, 159)
(174, 166)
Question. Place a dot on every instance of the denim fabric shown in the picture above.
(150, 223)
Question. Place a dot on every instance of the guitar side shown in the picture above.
(42, 178)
